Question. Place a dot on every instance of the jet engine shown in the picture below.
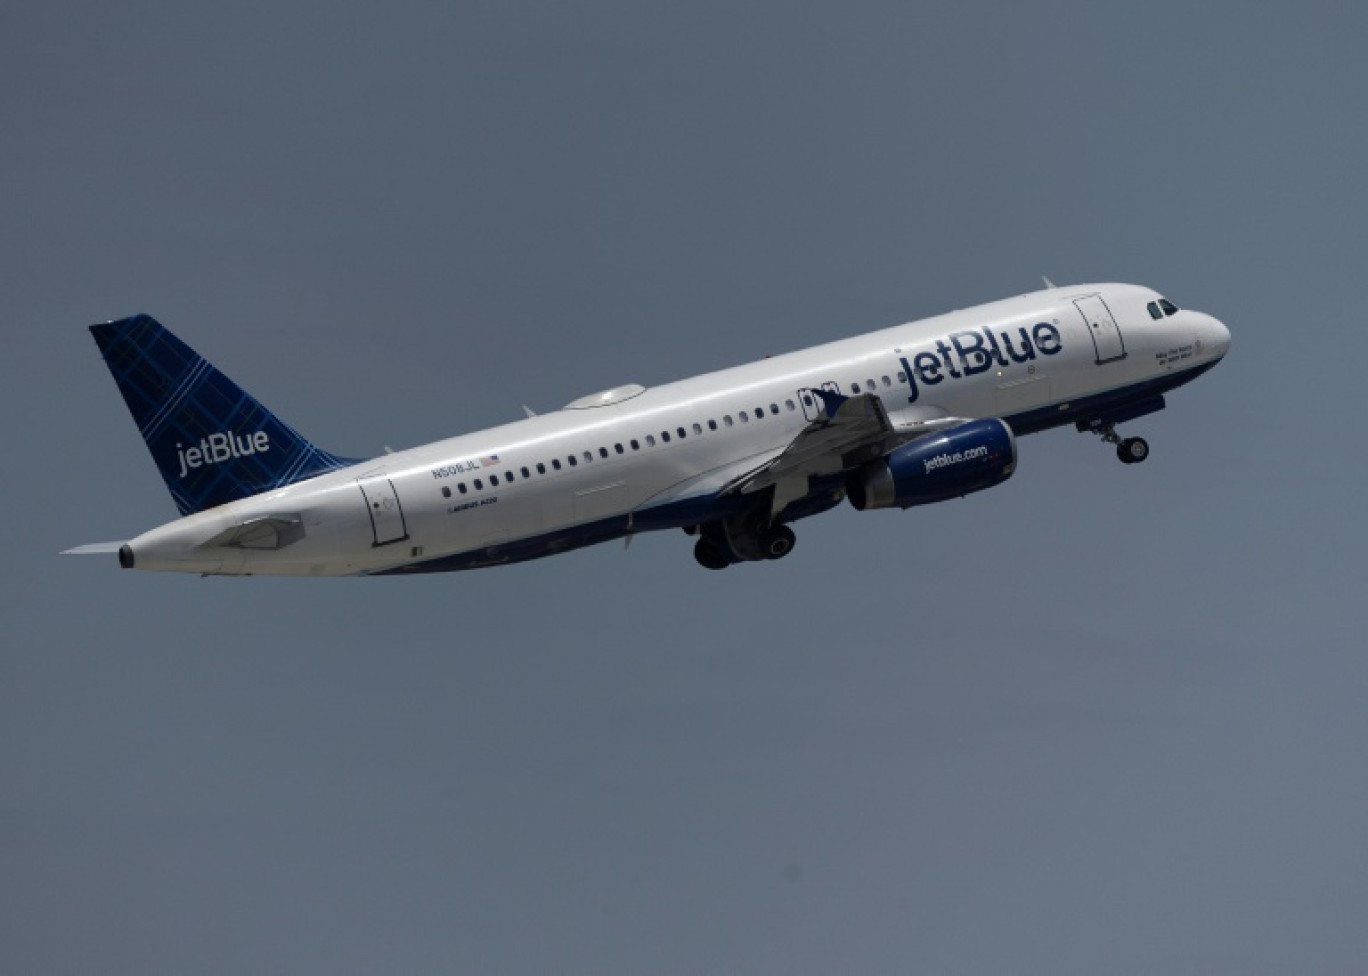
(949, 464)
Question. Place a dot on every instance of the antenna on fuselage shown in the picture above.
(529, 411)
(1048, 282)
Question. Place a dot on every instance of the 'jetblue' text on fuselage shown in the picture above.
(968, 353)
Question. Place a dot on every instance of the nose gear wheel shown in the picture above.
(1131, 450)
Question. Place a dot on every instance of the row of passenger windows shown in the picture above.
(587, 457)
(635, 444)
(870, 385)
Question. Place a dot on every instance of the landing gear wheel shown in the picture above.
(778, 542)
(709, 556)
(1132, 450)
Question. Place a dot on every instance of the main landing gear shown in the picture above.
(709, 555)
(778, 542)
(719, 545)
(1131, 450)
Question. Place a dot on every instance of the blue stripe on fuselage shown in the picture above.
(1045, 418)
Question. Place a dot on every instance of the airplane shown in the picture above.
(910, 415)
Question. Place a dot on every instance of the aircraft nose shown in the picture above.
(1213, 338)
(1220, 335)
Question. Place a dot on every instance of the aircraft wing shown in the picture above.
(709, 483)
(851, 431)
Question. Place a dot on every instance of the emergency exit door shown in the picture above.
(1102, 327)
(386, 514)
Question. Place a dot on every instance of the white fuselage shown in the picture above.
(653, 458)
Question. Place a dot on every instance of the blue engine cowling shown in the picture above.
(973, 456)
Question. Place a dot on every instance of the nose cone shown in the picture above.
(1214, 335)
(1221, 337)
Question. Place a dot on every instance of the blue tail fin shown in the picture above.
(212, 442)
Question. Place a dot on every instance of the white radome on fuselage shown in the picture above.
(340, 536)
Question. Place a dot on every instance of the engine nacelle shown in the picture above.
(971, 457)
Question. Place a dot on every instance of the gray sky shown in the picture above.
(1101, 719)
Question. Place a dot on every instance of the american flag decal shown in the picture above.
(489, 460)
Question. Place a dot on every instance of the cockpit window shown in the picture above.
(1168, 306)
(1154, 311)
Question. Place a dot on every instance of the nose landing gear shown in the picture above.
(1131, 450)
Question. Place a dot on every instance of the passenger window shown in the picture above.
(508, 475)
(807, 399)
(526, 473)
(541, 468)
(1168, 306)
(745, 418)
(603, 452)
(698, 428)
(855, 388)
(493, 480)
(886, 381)
(588, 456)
(665, 436)
(681, 432)
(789, 405)
(869, 385)
(479, 485)
(618, 448)
(727, 420)
(712, 425)
(555, 463)
(446, 491)
(650, 440)
(574, 461)
(461, 488)
(636, 446)
(902, 377)
(774, 408)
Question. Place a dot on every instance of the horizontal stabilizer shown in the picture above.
(93, 549)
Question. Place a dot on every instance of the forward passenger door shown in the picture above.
(1106, 336)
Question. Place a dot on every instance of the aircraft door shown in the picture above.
(1102, 327)
(386, 514)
